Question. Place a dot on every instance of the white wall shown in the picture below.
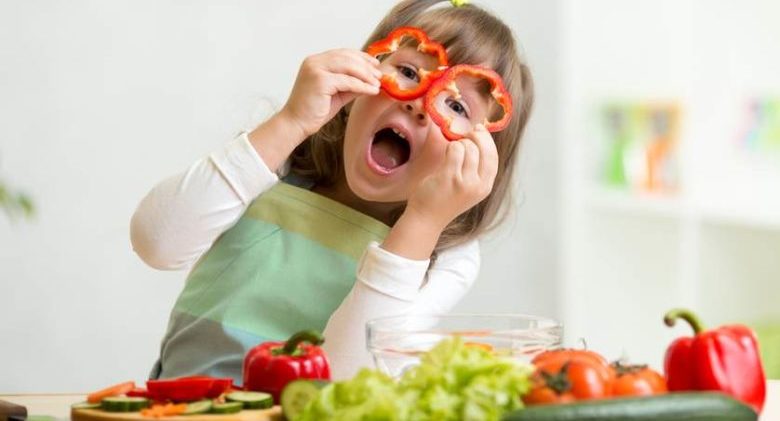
(100, 100)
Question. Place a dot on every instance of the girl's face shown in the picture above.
(391, 145)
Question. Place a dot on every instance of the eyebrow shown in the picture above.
(480, 101)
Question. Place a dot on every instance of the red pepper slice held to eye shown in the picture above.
(433, 82)
(447, 82)
(725, 359)
(391, 43)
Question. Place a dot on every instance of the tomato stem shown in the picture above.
(559, 382)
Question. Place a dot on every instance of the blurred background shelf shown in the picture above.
(710, 239)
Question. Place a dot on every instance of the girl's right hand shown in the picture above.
(328, 81)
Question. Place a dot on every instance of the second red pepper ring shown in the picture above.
(465, 96)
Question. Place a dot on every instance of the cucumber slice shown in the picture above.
(252, 400)
(124, 404)
(85, 405)
(198, 407)
(297, 394)
(227, 408)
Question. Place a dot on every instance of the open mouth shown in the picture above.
(389, 149)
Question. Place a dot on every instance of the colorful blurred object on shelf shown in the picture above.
(762, 131)
(642, 139)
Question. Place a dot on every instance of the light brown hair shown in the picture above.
(470, 35)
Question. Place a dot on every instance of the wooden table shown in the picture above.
(58, 406)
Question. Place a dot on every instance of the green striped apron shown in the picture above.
(285, 266)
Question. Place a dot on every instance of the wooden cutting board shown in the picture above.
(273, 414)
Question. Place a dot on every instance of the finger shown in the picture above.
(454, 159)
(371, 59)
(471, 158)
(488, 163)
(344, 83)
(353, 64)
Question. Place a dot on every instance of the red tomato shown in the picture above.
(569, 375)
(567, 353)
(637, 380)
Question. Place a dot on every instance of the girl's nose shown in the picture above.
(416, 109)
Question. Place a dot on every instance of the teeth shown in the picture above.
(399, 134)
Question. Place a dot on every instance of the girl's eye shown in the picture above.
(409, 73)
(457, 107)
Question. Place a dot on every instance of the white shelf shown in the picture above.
(616, 200)
(667, 206)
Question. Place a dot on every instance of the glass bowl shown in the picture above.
(397, 342)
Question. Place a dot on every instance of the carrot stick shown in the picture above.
(115, 390)
(166, 410)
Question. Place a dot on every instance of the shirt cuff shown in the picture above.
(244, 170)
(390, 274)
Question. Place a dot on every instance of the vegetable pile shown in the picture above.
(716, 375)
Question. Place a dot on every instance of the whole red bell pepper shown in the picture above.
(268, 367)
(725, 359)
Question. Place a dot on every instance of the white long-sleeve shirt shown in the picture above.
(179, 220)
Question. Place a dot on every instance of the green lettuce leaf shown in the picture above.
(453, 381)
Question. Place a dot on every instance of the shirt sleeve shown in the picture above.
(389, 285)
(181, 217)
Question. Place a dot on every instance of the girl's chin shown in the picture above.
(374, 192)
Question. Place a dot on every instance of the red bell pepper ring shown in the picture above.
(270, 366)
(447, 82)
(391, 43)
(725, 359)
(187, 389)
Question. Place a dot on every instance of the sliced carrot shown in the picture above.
(164, 410)
(115, 390)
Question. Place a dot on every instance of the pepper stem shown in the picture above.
(670, 318)
(311, 336)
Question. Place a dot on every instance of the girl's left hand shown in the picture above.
(463, 180)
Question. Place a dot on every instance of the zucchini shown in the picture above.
(297, 394)
(251, 400)
(198, 407)
(227, 408)
(123, 404)
(685, 406)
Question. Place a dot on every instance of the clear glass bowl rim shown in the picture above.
(549, 323)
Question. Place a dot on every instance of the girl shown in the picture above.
(376, 214)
